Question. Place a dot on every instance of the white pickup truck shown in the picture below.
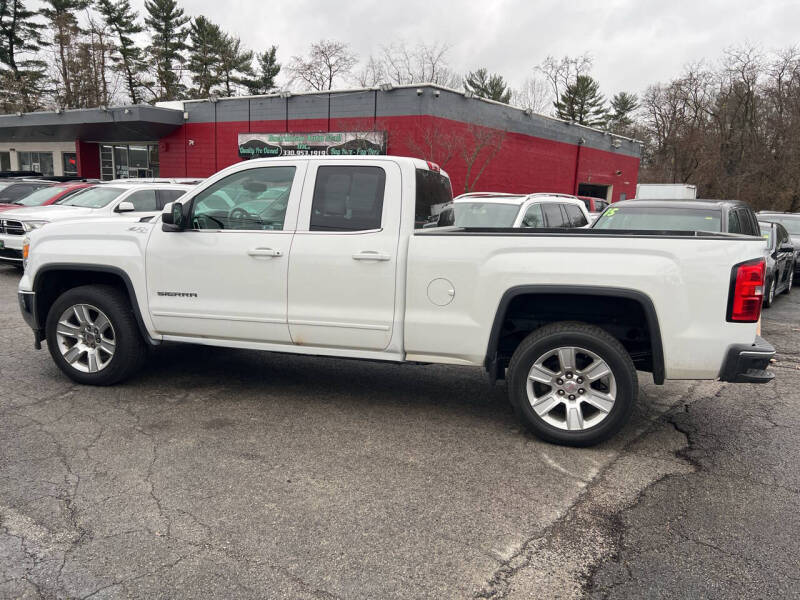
(328, 256)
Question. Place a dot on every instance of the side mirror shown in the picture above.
(124, 207)
(172, 217)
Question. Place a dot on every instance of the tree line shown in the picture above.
(730, 126)
(84, 53)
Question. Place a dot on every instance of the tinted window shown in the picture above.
(484, 214)
(601, 205)
(782, 235)
(167, 196)
(733, 222)
(143, 200)
(16, 192)
(748, 222)
(575, 215)
(533, 216)
(254, 199)
(553, 215)
(433, 193)
(348, 199)
(659, 219)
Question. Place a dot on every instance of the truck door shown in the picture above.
(225, 276)
(343, 264)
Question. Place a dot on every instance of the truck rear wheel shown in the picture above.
(93, 337)
(572, 383)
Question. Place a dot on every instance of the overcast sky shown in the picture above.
(633, 42)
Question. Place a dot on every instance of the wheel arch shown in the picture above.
(54, 279)
(492, 362)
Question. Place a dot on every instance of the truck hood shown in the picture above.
(54, 212)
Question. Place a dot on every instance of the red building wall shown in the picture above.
(522, 164)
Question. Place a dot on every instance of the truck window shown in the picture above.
(433, 194)
(251, 200)
(552, 212)
(733, 222)
(143, 200)
(348, 198)
(533, 216)
(575, 215)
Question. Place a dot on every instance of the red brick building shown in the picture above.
(483, 145)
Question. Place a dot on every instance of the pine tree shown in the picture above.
(582, 103)
(484, 85)
(22, 74)
(267, 69)
(168, 41)
(63, 23)
(207, 41)
(235, 64)
(129, 58)
(623, 105)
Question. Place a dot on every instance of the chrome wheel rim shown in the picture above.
(571, 388)
(86, 338)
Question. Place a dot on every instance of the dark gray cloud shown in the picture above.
(633, 42)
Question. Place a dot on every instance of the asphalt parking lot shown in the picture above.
(221, 473)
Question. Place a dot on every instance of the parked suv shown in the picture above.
(727, 216)
(493, 210)
(103, 200)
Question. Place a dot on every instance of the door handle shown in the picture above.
(371, 255)
(264, 252)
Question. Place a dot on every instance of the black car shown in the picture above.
(16, 190)
(728, 216)
(791, 221)
(780, 261)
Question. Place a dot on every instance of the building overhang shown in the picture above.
(128, 124)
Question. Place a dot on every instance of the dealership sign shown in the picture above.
(265, 145)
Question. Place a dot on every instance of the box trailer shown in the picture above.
(666, 191)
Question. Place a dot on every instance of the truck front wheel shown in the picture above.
(92, 335)
(572, 383)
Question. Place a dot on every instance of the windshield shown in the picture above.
(484, 214)
(643, 218)
(791, 222)
(95, 197)
(40, 197)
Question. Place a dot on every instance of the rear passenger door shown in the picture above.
(553, 215)
(343, 262)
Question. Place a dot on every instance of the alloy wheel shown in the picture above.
(571, 388)
(86, 338)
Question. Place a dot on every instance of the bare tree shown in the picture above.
(402, 64)
(535, 94)
(482, 145)
(563, 72)
(327, 62)
(434, 142)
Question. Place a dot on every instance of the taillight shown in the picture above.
(747, 291)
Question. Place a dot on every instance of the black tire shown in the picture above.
(581, 335)
(769, 297)
(130, 349)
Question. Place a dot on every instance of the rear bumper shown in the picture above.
(747, 363)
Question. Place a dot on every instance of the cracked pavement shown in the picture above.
(225, 473)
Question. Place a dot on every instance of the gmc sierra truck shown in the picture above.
(329, 256)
